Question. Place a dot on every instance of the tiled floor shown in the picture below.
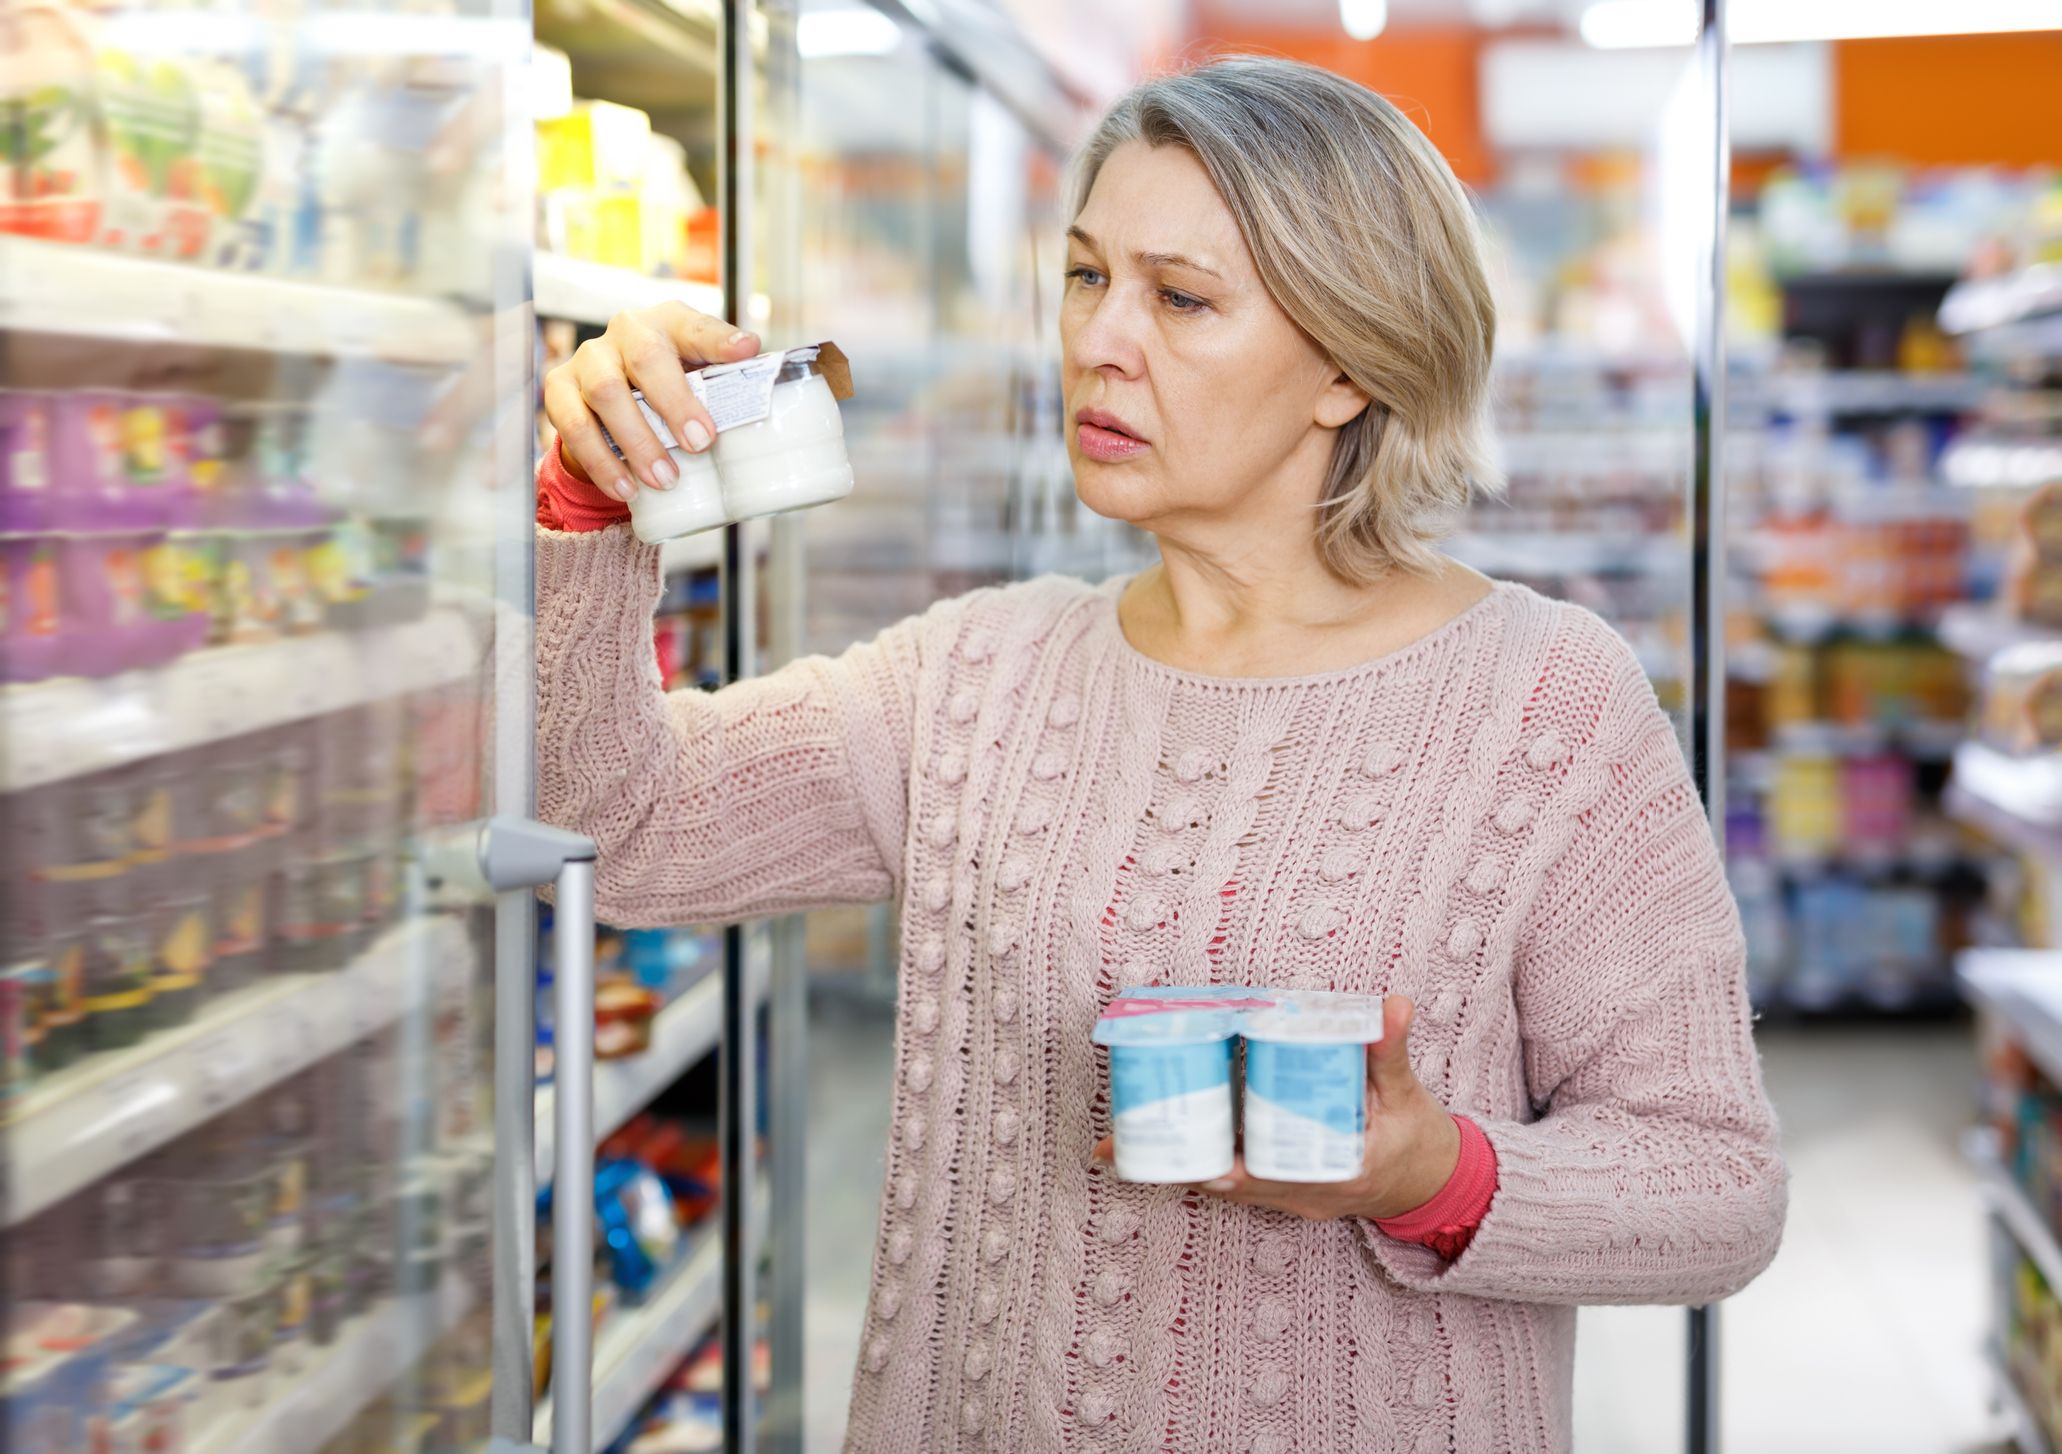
(1861, 1339)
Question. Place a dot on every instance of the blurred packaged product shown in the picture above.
(2021, 704)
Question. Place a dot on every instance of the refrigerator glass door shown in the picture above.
(264, 499)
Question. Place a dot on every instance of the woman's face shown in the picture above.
(1192, 399)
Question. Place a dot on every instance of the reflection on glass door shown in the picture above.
(251, 484)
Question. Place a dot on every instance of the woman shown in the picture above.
(1305, 749)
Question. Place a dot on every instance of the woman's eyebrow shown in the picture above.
(1147, 259)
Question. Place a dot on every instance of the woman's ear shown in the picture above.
(1340, 403)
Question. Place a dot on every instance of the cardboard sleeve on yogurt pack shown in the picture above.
(1182, 1014)
(742, 392)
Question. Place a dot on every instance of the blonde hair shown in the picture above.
(1366, 239)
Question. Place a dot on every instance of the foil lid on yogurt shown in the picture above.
(742, 392)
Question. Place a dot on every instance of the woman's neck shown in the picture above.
(1271, 608)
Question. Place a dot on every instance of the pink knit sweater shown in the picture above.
(1496, 820)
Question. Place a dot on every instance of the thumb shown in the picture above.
(1389, 1072)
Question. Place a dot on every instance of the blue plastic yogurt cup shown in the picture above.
(1170, 1096)
(1306, 1087)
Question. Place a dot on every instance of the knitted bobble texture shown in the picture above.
(1495, 820)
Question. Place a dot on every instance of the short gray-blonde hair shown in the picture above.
(1367, 240)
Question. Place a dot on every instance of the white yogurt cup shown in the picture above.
(792, 458)
(1170, 1098)
(1306, 1086)
(694, 504)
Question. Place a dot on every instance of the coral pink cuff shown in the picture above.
(565, 502)
(1450, 1218)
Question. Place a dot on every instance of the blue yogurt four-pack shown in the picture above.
(1171, 1099)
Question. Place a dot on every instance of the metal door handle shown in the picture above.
(517, 853)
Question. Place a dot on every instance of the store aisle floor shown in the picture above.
(1861, 1339)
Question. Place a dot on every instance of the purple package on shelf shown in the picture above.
(32, 638)
(25, 481)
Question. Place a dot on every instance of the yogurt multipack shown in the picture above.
(1172, 1049)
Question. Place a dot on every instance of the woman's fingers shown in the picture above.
(606, 389)
(697, 337)
(581, 446)
(653, 366)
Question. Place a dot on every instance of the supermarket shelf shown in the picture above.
(370, 1357)
(1808, 623)
(73, 725)
(1607, 450)
(2024, 1429)
(1856, 392)
(2016, 800)
(1932, 1000)
(1920, 741)
(682, 1034)
(1980, 463)
(705, 551)
(2028, 1227)
(83, 1123)
(84, 292)
(1549, 553)
(1990, 302)
(2022, 987)
(1981, 632)
(638, 1346)
(587, 292)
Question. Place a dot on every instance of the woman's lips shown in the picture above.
(1107, 445)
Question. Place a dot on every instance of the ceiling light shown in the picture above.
(1621, 24)
(1364, 19)
(851, 31)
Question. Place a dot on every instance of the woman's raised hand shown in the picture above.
(649, 349)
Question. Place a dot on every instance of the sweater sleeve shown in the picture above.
(784, 792)
(1651, 1171)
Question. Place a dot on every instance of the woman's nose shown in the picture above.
(1108, 334)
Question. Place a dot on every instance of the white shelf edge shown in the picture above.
(1978, 633)
(88, 292)
(69, 726)
(2022, 987)
(370, 1356)
(2017, 800)
(638, 1346)
(1981, 303)
(2033, 1235)
(2025, 1429)
(101, 1115)
(682, 1033)
(585, 292)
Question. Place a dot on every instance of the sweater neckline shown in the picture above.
(1499, 592)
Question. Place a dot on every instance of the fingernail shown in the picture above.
(696, 434)
(664, 473)
(1223, 1183)
(625, 487)
(741, 336)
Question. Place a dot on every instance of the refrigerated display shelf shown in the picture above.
(1917, 1002)
(1978, 462)
(2023, 1428)
(1552, 553)
(94, 1118)
(372, 1354)
(585, 292)
(69, 726)
(2016, 800)
(1981, 632)
(682, 1033)
(1989, 302)
(85, 292)
(2023, 988)
(1860, 392)
(2034, 1233)
(638, 1346)
(1920, 741)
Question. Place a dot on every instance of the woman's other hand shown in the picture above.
(1412, 1144)
(648, 349)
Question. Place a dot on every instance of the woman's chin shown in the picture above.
(1114, 491)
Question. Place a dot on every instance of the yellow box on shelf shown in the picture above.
(596, 146)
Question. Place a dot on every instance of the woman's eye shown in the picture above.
(1182, 302)
(1084, 275)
